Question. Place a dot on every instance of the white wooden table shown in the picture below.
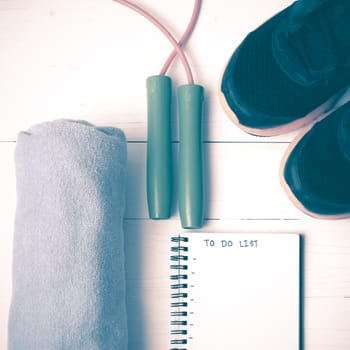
(89, 60)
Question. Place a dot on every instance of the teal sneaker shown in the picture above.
(315, 171)
(289, 71)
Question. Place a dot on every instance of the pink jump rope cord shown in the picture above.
(177, 45)
(185, 35)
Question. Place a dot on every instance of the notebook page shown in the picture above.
(243, 291)
(148, 289)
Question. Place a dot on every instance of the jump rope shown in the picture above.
(159, 149)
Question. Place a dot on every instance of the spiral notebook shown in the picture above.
(215, 291)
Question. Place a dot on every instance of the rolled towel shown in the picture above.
(68, 258)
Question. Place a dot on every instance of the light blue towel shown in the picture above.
(68, 264)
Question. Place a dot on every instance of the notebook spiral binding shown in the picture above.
(178, 294)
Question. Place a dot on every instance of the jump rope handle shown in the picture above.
(190, 99)
(159, 152)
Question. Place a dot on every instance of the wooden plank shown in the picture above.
(242, 181)
(327, 324)
(89, 60)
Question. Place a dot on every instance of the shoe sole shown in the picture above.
(288, 190)
(314, 116)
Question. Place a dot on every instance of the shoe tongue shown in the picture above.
(312, 45)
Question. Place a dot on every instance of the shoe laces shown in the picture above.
(316, 40)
